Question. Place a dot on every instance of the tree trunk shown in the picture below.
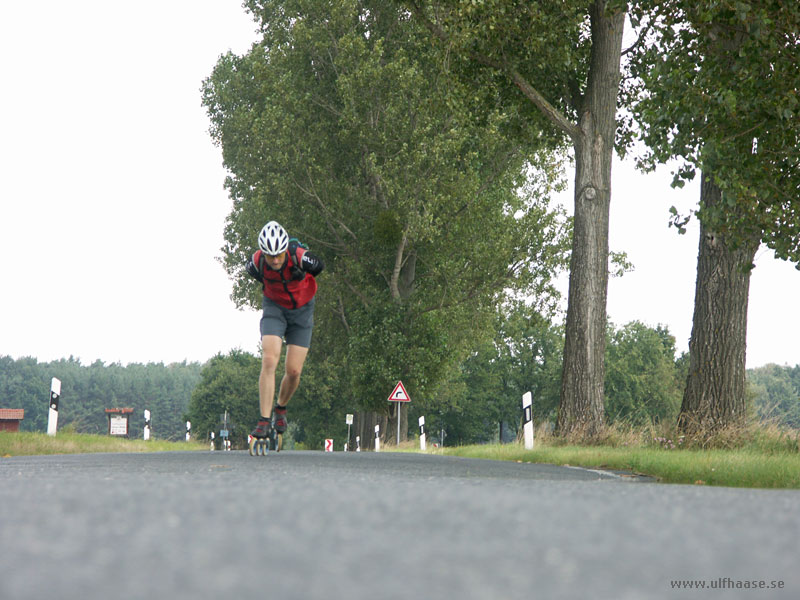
(715, 388)
(581, 407)
(364, 426)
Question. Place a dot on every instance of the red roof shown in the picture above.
(12, 414)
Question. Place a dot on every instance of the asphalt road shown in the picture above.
(311, 525)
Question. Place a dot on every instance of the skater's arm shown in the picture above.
(311, 263)
(252, 269)
(308, 261)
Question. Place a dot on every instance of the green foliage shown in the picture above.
(548, 44)
(775, 391)
(525, 355)
(344, 124)
(227, 383)
(715, 86)
(319, 406)
(643, 384)
(230, 383)
(86, 391)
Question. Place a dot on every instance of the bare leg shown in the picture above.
(270, 355)
(295, 358)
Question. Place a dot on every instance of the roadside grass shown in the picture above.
(27, 444)
(756, 456)
(733, 468)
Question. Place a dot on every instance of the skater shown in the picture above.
(287, 273)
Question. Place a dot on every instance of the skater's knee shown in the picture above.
(269, 363)
(270, 353)
(293, 373)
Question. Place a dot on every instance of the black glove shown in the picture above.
(253, 271)
(311, 263)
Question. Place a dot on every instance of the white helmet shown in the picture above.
(273, 239)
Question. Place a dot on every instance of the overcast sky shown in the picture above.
(112, 202)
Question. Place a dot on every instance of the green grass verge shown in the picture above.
(744, 467)
(26, 444)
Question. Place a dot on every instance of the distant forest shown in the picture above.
(86, 391)
(166, 390)
(775, 391)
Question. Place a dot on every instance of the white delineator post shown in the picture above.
(52, 413)
(358, 443)
(188, 430)
(377, 438)
(212, 441)
(146, 425)
(422, 433)
(527, 419)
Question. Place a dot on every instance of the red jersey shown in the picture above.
(283, 287)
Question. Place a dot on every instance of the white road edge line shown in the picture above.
(598, 471)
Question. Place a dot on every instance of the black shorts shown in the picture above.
(294, 325)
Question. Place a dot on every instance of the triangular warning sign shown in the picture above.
(399, 394)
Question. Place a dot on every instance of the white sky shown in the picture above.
(112, 205)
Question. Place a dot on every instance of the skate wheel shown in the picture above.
(279, 443)
(259, 446)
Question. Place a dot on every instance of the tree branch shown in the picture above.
(394, 287)
(342, 315)
(312, 193)
(640, 39)
(551, 112)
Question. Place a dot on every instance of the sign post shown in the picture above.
(52, 413)
(399, 395)
(224, 433)
(527, 419)
(349, 420)
(422, 433)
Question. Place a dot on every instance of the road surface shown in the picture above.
(311, 525)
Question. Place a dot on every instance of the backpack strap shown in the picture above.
(262, 262)
(297, 272)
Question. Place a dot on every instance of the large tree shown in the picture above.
(558, 64)
(718, 90)
(342, 124)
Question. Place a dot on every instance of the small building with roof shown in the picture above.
(10, 418)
